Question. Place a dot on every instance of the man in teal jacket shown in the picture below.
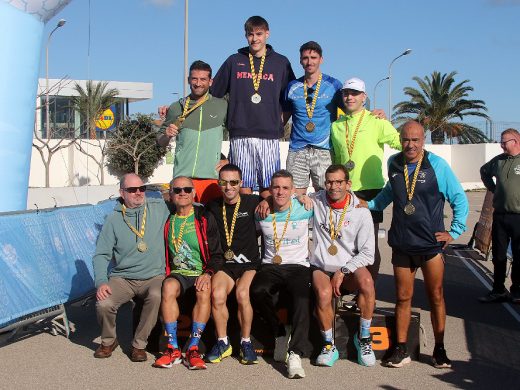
(131, 242)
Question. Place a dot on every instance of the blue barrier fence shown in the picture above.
(46, 257)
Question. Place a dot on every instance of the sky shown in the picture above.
(143, 41)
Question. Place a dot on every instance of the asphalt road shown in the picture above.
(483, 341)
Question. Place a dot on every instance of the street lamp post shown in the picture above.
(61, 22)
(404, 53)
(379, 82)
(184, 80)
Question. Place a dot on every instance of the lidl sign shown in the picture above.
(106, 120)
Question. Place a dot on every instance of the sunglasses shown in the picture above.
(178, 190)
(232, 183)
(310, 91)
(133, 190)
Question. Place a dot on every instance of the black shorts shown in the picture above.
(314, 268)
(377, 216)
(404, 260)
(235, 271)
(186, 282)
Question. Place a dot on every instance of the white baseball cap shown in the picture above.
(355, 84)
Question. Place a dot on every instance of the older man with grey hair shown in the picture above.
(131, 242)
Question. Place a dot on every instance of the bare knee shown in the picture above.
(170, 289)
(324, 295)
(218, 296)
(242, 294)
(366, 285)
(436, 295)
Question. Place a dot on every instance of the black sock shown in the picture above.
(439, 346)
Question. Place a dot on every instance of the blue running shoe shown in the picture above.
(366, 356)
(219, 351)
(247, 353)
(328, 356)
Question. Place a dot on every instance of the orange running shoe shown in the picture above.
(169, 357)
(193, 360)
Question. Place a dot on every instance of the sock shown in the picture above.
(171, 329)
(196, 332)
(364, 328)
(245, 340)
(402, 346)
(224, 339)
(327, 336)
(439, 345)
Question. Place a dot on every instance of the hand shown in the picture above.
(444, 237)
(263, 209)
(337, 281)
(103, 292)
(379, 113)
(305, 201)
(162, 111)
(220, 164)
(171, 131)
(203, 282)
(362, 204)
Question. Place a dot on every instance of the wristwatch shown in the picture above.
(344, 270)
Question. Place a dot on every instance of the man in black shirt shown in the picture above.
(234, 214)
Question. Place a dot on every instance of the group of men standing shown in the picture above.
(214, 249)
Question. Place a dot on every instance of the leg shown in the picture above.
(500, 241)
(323, 291)
(362, 281)
(221, 286)
(514, 226)
(297, 284)
(433, 272)
(106, 309)
(202, 308)
(171, 290)
(264, 288)
(245, 310)
(374, 268)
(150, 291)
(404, 280)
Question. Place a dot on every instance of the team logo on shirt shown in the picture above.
(517, 169)
(248, 75)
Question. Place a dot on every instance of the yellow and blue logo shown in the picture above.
(106, 120)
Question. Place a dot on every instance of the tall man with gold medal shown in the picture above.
(358, 141)
(314, 100)
(255, 79)
(343, 241)
(131, 238)
(285, 267)
(419, 184)
(235, 217)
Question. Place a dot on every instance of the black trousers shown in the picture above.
(506, 226)
(265, 289)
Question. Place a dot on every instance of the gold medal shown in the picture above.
(178, 122)
(186, 110)
(229, 255)
(350, 165)
(333, 250)
(310, 126)
(409, 208)
(256, 98)
(277, 259)
(141, 246)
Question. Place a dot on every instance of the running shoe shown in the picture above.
(495, 296)
(219, 351)
(366, 355)
(168, 358)
(294, 366)
(439, 358)
(247, 353)
(193, 360)
(328, 356)
(398, 358)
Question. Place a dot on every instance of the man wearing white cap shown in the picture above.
(358, 140)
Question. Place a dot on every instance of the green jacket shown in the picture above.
(117, 243)
(199, 143)
(368, 150)
(506, 191)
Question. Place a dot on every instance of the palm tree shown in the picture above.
(92, 101)
(438, 103)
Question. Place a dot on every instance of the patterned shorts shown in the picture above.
(306, 163)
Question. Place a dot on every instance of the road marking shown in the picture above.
(486, 284)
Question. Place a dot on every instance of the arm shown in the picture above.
(168, 128)
(216, 259)
(102, 257)
(389, 135)
(487, 173)
(220, 86)
(383, 199)
(365, 243)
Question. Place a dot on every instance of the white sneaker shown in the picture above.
(366, 356)
(294, 366)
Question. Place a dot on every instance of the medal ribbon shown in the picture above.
(278, 242)
(187, 111)
(229, 233)
(177, 241)
(350, 145)
(257, 76)
(334, 230)
(410, 191)
(310, 109)
(139, 233)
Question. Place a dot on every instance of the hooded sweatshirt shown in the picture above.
(506, 192)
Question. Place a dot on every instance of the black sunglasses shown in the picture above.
(133, 190)
(178, 190)
(232, 183)
(310, 91)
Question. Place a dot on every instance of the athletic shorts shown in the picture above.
(186, 282)
(314, 268)
(404, 260)
(235, 271)
(206, 190)
(309, 162)
(258, 159)
(377, 216)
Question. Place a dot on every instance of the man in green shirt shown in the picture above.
(197, 124)
(358, 140)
